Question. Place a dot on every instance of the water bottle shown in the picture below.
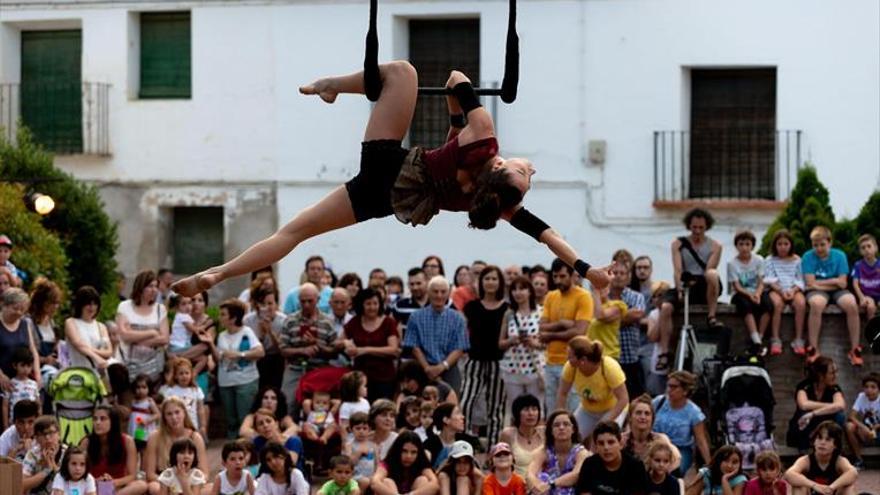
(244, 346)
(140, 432)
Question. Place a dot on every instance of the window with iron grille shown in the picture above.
(166, 57)
(436, 47)
(197, 238)
(733, 133)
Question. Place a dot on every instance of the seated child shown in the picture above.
(824, 470)
(768, 481)
(340, 482)
(319, 429)
(863, 425)
(234, 479)
(745, 278)
(361, 450)
(426, 417)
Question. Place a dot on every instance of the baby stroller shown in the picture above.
(747, 398)
(75, 393)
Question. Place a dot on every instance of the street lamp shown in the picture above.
(43, 203)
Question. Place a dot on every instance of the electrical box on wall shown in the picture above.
(597, 151)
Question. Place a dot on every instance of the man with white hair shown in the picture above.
(308, 340)
(438, 336)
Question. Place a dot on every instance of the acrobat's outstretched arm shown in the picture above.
(524, 221)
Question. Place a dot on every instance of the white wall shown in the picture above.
(589, 70)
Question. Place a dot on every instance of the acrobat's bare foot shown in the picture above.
(323, 88)
(195, 284)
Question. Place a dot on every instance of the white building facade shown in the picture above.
(632, 111)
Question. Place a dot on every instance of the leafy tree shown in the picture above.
(37, 250)
(87, 234)
(808, 207)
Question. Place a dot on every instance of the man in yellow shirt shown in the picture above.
(567, 313)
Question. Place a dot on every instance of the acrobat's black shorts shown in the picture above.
(370, 190)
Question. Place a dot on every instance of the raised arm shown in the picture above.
(478, 123)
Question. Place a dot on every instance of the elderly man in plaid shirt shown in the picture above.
(438, 336)
(629, 327)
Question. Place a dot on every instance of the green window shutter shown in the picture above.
(198, 238)
(51, 88)
(166, 56)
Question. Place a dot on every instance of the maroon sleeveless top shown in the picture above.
(442, 164)
(116, 470)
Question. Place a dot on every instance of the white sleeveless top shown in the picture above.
(90, 334)
(241, 488)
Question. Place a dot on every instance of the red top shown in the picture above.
(444, 162)
(377, 368)
(116, 470)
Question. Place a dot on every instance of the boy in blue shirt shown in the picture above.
(825, 272)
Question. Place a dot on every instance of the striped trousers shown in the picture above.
(482, 385)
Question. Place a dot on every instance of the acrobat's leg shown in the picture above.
(393, 112)
(332, 212)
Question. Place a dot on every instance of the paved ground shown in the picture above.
(869, 480)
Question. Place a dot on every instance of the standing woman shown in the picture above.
(598, 380)
(143, 328)
(522, 367)
(45, 300)
(433, 266)
(463, 290)
(372, 342)
(15, 332)
(88, 343)
(482, 370)
(236, 351)
(112, 454)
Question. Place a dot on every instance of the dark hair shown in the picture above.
(230, 447)
(416, 270)
(277, 450)
(235, 308)
(622, 256)
(699, 213)
(310, 259)
(65, 462)
(141, 378)
(744, 235)
(575, 431)
(606, 427)
(782, 234)
(25, 409)
(84, 296)
(442, 411)
(333, 278)
(394, 279)
(340, 460)
(537, 269)
(832, 429)
(819, 368)
(141, 281)
(634, 282)
(260, 293)
(183, 445)
(22, 355)
(280, 410)
(722, 454)
(871, 377)
(358, 418)
(499, 294)
(522, 282)
(44, 293)
(349, 386)
(115, 440)
(162, 271)
(396, 471)
(411, 370)
(495, 194)
(524, 401)
(43, 423)
(204, 295)
(558, 265)
(768, 459)
(365, 295)
(350, 278)
(457, 271)
(266, 269)
(407, 402)
(439, 262)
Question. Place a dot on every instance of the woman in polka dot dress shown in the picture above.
(522, 367)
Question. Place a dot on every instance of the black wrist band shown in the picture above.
(457, 120)
(466, 96)
(582, 267)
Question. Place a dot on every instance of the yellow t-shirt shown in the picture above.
(576, 304)
(596, 391)
(608, 333)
